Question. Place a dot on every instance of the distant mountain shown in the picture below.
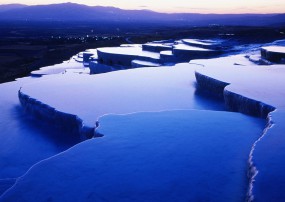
(8, 7)
(77, 12)
(69, 12)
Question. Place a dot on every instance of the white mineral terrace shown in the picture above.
(93, 52)
(190, 48)
(166, 53)
(148, 89)
(131, 45)
(133, 51)
(275, 49)
(141, 63)
(196, 41)
(159, 156)
(169, 45)
(158, 137)
(254, 90)
(261, 83)
(59, 68)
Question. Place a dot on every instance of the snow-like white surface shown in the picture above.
(190, 48)
(275, 49)
(166, 156)
(194, 142)
(167, 57)
(142, 63)
(261, 83)
(257, 86)
(97, 68)
(59, 68)
(198, 42)
(134, 51)
(94, 51)
(23, 140)
(131, 45)
(269, 157)
(166, 53)
(229, 61)
(158, 45)
(80, 55)
(120, 92)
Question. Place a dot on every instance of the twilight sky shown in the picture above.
(193, 6)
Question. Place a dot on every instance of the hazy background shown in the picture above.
(170, 6)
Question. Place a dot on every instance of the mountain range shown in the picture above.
(78, 12)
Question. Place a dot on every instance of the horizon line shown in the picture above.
(151, 10)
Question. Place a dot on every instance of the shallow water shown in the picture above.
(24, 140)
(184, 155)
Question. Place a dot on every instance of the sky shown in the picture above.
(174, 6)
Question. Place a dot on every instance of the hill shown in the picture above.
(8, 7)
(77, 12)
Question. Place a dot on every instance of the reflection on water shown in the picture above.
(24, 140)
(54, 135)
(207, 100)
